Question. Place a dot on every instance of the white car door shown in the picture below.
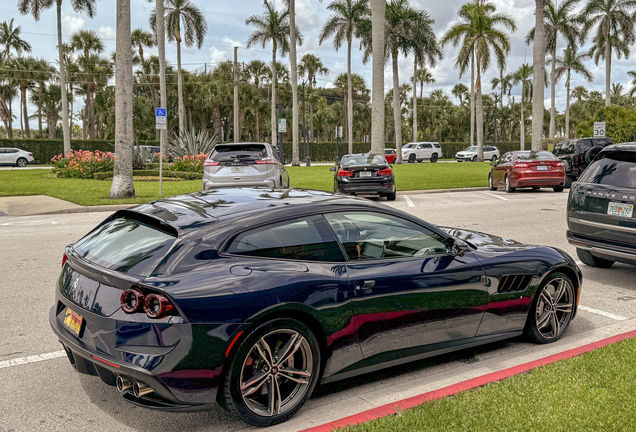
(2, 156)
(10, 156)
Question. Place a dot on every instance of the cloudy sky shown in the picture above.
(226, 29)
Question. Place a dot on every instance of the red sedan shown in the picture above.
(519, 169)
(389, 155)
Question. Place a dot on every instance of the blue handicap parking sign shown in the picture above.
(161, 112)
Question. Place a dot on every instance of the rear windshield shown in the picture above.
(543, 155)
(612, 169)
(126, 246)
(243, 152)
(363, 160)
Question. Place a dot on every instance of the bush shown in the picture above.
(189, 163)
(620, 124)
(82, 164)
(190, 143)
(153, 173)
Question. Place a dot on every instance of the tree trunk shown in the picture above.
(86, 118)
(567, 109)
(92, 124)
(161, 44)
(522, 125)
(65, 128)
(377, 89)
(70, 117)
(415, 100)
(311, 122)
(40, 109)
(293, 66)
(122, 186)
(10, 130)
(472, 99)
(397, 111)
(608, 72)
(349, 97)
(258, 129)
(25, 114)
(479, 115)
(553, 94)
(180, 90)
(273, 123)
(538, 76)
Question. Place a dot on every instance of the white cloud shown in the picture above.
(229, 42)
(107, 32)
(72, 24)
(217, 55)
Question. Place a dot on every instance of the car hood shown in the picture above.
(480, 239)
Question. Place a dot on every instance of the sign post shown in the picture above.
(161, 123)
(599, 129)
(282, 128)
(338, 136)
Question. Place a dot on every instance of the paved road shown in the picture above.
(48, 394)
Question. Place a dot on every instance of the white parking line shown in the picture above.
(408, 201)
(496, 196)
(31, 359)
(603, 313)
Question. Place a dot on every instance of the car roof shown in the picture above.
(630, 146)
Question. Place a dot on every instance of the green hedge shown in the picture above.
(153, 173)
(44, 149)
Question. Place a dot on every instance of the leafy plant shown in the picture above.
(192, 143)
(82, 164)
(141, 156)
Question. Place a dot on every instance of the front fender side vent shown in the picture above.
(513, 283)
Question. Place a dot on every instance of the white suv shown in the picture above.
(470, 154)
(16, 157)
(419, 151)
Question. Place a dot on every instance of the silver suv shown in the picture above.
(244, 164)
(418, 151)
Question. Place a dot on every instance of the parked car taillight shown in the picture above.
(154, 305)
(385, 171)
(157, 306)
(31, 154)
(131, 301)
(559, 164)
(520, 165)
(267, 160)
(210, 163)
(64, 259)
(343, 173)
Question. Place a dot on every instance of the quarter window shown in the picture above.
(370, 235)
(308, 239)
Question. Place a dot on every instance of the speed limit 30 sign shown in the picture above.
(599, 129)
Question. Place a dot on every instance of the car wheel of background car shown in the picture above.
(491, 186)
(21, 162)
(552, 309)
(590, 154)
(272, 373)
(412, 158)
(568, 182)
(587, 258)
(391, 196)
(493, 158)
(474, 158)
(558, 188)
(509, 188)
(434, 157)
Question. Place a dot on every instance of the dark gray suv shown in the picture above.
(577, 154)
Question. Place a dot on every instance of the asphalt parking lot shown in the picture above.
(39, 390)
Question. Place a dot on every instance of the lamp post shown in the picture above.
(313, 82)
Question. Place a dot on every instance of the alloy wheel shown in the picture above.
(276, 373)
(555, 307)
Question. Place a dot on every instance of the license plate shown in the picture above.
(542, 168)
(365, 174)
(73, 321)
(620, 209)
(237, 170)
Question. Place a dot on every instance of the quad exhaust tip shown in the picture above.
(123, 384)
(141, 389)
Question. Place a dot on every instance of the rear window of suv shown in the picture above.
(612, 169)
(238, 152)
(126, 246)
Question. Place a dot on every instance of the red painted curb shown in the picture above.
(392, 408)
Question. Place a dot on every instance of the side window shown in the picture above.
(11, 150)
(372, 236)
(428, 146)
(308, 239)
(506, 158)
(583, 146)
(421, 146)
(436, 145)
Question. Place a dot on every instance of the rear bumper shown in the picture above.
(207, 184)
(603, 250)
(539, 181)
(366, 188)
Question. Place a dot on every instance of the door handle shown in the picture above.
(362, 285)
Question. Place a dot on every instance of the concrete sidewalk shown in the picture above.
(44, 205)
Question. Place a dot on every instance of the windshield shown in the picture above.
(357, 160)
(613, 169)
(471, 149)
(530, 156)
(409, 146)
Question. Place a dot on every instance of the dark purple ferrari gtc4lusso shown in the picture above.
(249, 297)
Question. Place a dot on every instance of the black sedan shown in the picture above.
(364, 174)
(248, 297)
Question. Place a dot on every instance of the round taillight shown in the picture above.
(131, 301)
(156, 306)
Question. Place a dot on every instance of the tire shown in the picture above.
(509, 189)
(412, 158)
(391, 196)
(434, 158)
(493, 158)
(491, 185)
(21, 162)
(588, 259)
(474, 159)
(568, 182)
(251, 361)
(558, 188)
(552, 309)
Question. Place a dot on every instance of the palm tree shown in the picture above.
(310, 66)
(142, 39)
(615, 31)
(477, 34)
(580, 93)
(258, 71)
(632, 91)
(378, 12)
(343, 24)
(10, 38)
(522, 76)
(423, 76)
(272, 26)
(293, 64)
(52, 102)
(35, 8)
(122, 186)
(565, 65)
(27, 71)
(460, 91)
(558, 20)
(160, 33)
(538, 74)
(194, 29)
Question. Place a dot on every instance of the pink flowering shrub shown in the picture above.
(189, 163)
(82, 164)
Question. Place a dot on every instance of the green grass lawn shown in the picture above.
(592, 392)
(95, 192)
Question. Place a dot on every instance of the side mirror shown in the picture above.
(333, 168)
(493, 163)
(455, 247)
